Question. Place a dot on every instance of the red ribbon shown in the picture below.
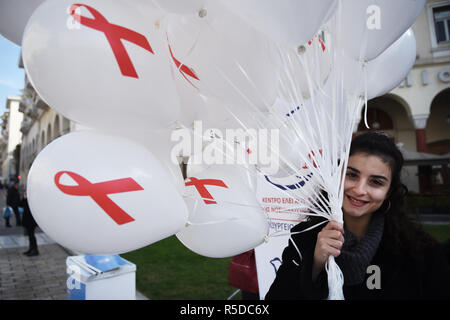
(322, 44)
(200, 186)
(99, 191)
(320, 41)
(314, 162)
(114, 34)
(182, 68)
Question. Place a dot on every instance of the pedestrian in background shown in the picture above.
(30, 226)
(13, 200)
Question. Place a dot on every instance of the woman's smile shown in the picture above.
(356, 202)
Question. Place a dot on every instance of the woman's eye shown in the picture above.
(351, 175)
(377, 182)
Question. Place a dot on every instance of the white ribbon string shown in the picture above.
(324, 121)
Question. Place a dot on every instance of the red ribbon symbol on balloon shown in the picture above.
(99, 193)
(182, 68)
(200, 184)
(320, 41)
(114, 34)
(305, 166)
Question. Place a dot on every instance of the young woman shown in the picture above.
(382, 254)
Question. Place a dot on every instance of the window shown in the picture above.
(49, 133)
(56, 132)
(441, 16)
(42, 140)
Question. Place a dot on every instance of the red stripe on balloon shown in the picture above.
(114, 34)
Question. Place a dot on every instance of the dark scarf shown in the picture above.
(356, 256)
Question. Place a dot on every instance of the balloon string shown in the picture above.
(364, 69)
(191, 223)
(335, 280)
(324, 125)
(283, 210)
(241, 93)
(280, 234)
(321, 201)
(363, 62)
(335, 283)
(220, 202)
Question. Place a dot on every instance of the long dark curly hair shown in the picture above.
(401, 234)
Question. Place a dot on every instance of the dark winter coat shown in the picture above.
(401, 278)
(13, 197)
(27, 218)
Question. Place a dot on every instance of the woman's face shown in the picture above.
(366, 186)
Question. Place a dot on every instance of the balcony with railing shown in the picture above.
(26, 103)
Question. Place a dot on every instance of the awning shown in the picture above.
(414, 158)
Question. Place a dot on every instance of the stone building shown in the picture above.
(10, 139)
(41, 124)
(417, 113)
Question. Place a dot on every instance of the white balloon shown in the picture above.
(391, 67)
(297, 148)
(211, 111)
(193, 169)
(286, 21)
(103, 194)
(385, 72)
(163, 147)
(225, 218)
(220, 56)
(301, 73)
(162, 150)
(182, 7)
(14, 15)
(369, 27)
(96, 72)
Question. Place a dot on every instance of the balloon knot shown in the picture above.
(301, 49)
(202, 13)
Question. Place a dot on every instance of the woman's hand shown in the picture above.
(329, 242)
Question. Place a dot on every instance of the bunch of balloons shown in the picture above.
(147, 76)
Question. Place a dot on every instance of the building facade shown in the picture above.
(417, 113)
(41, 124)
(11, 139)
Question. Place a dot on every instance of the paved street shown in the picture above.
(33, 278)
(42, 277)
